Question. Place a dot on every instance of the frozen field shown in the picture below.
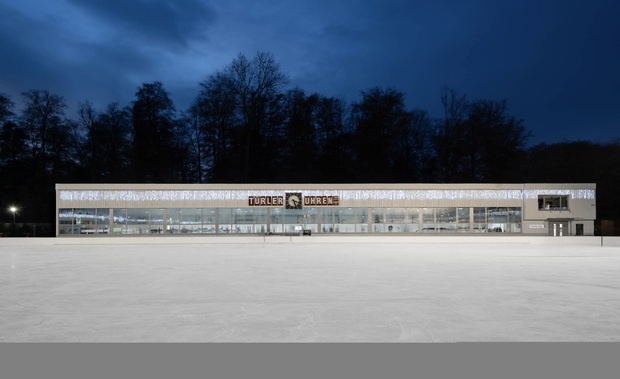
(309, 289)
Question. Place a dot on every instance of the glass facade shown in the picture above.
(262, 220)
(184, 220)
(344, 220)
(84, 221)
(391, 195)
(395, 220)
(552, 202)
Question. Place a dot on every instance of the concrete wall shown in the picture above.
(176, 240)
(532, 227)
(366, 195)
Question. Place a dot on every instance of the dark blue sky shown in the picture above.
(556, 63)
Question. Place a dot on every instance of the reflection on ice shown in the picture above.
(340, 291)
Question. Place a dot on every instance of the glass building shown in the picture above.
(202, 209)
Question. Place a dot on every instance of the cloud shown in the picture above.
(96, 50)
(169, 24)
(557, 70)
(27, 61)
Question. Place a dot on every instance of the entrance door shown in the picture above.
(559, 228)
(579, 229)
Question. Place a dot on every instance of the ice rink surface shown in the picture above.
(349, 290)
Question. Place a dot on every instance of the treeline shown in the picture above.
(246, 126)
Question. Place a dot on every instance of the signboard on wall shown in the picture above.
(266, 201)
(537, 226)
(294, 200)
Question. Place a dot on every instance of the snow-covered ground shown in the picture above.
(308, 289)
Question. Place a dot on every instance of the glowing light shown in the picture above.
(344, 195)
(13, 209)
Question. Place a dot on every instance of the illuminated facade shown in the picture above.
(141, 209)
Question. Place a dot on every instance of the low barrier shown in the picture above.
(315, 239)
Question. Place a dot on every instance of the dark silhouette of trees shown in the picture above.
(42, 119)
(48, 153)
(257, 86)
(153, 157)
(411, 154)
(300, 137)
(390, 144)
(6, 108)
(447, 139)
(212, 119)
(236, 122)
(106, 145)
(579, 162)
(478, 141)
(496, 144)
(379, 121)
(245, 126)
(12, 155)
(12, 142)
(12, 139)
(334, 153)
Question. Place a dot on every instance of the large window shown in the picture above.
(238, 220)
(344, 220)
(463, 220)
(283, 220)
(280, 220)
(327, 220)
(260, 218)
(84, 221)
(209, 220)
(119, 225)
(446, 220)
(504, 220)
(395, 220)
(293, 220)
(311, 216)
(144, 221)
(552, 203)
(138, 221)
(480, 220)
(244, 220)
(276, 220)
(184, 220)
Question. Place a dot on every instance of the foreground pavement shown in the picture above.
(309, 292)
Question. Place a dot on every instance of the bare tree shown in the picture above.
(106, 143)
(212, 119)
(42, 113)
(12, 139)
(412, 148)
(257, 85)
(300, 134)
(152, 155)
(380, 120)
(455, 106)
(448, 139)
(477, 141)
(6, 108)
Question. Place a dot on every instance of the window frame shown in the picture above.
(547, 202)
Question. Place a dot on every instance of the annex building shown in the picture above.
(558, 209)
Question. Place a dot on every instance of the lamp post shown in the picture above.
(13, 209)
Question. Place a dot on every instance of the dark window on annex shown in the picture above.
(552, 202)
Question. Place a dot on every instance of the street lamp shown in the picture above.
(13, 209)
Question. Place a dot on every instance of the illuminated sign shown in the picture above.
(266, 201)
(294, 200)
(327, 201)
